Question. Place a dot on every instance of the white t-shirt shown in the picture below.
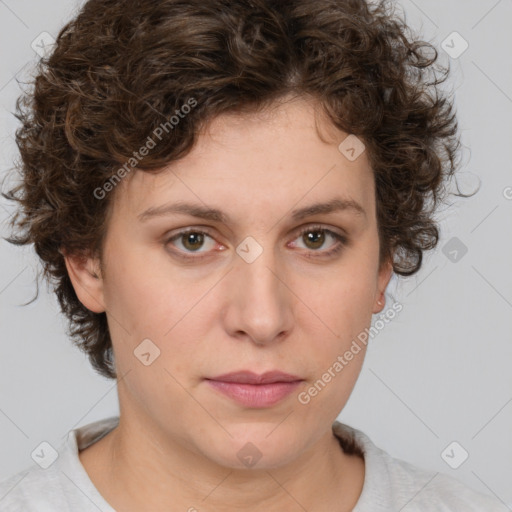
(390, 485)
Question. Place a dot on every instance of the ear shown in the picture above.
(85, 275)
(385, 272)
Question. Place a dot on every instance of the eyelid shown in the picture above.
(341, 238)
(338, 234)
(322, 227)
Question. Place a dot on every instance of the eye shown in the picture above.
(314, 238)
(191, 240)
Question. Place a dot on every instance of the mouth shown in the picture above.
(253, 390)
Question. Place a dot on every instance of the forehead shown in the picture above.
(267, 162)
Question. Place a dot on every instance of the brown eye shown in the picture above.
(314, 238)
(192, 240)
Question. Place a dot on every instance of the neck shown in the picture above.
(137, 471)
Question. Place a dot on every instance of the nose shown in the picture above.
(259, 301)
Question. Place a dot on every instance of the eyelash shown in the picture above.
(341, 239)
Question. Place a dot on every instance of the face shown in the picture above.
(255, 286)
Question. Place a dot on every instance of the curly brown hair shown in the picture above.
(122, 67)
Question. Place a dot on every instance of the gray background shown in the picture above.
(440, 372)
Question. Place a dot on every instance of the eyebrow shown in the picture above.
(214, 214)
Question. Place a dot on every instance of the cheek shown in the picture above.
(335, 354)
(343, 312)
(339, 311)
(141, 285)
(136, 297)
(343, 301)
(149, 299)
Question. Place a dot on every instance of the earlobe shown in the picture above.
(385, 274)
(85, 275)
(379, 304)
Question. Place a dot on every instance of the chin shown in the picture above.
(255, 446)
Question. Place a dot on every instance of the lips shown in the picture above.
(247, 377)
(255, 391)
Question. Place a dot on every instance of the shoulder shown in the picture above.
(432, 491)
(30, 488)
(394, 484)
(62, 485)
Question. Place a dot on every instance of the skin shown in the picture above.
(291, 309)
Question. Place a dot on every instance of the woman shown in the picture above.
(221, 192)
